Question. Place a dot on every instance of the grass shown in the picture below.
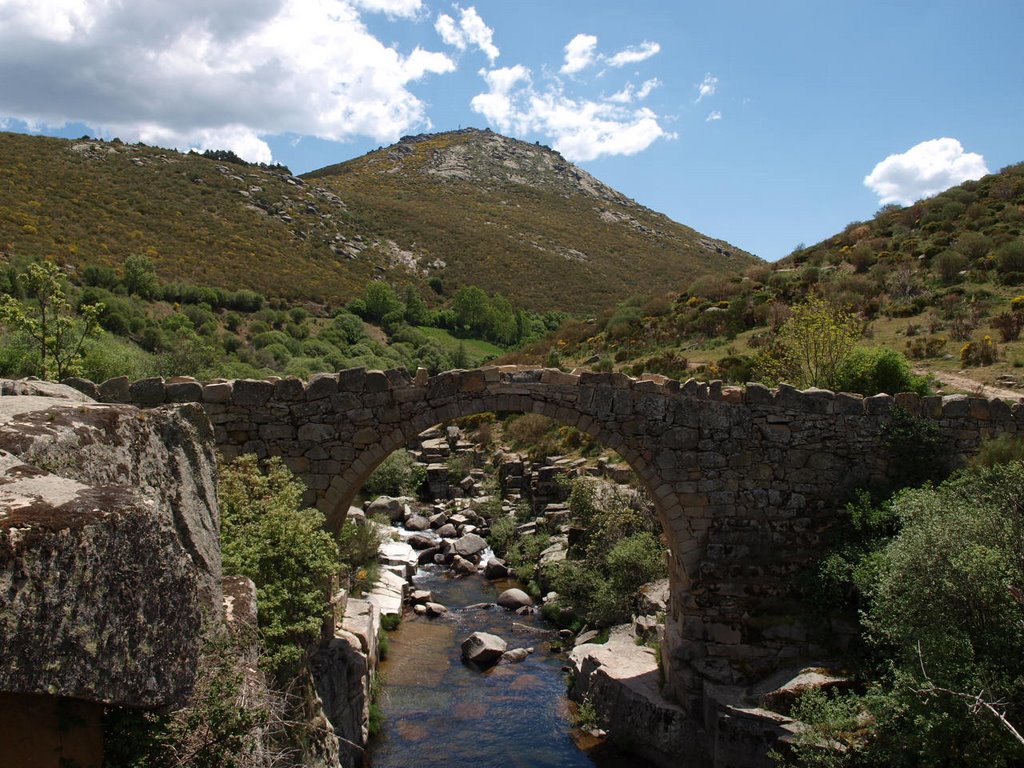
(478, 351)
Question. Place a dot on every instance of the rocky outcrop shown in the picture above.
(343, 668)
(109, 558)
(622, 681)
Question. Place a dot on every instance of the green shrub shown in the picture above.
(1000, 450)
(503, 532)
(398, 475)
(874, 370)
(217, 728)
(283, 548)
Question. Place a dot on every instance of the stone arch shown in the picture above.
(670, 512)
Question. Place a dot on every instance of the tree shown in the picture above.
(472, 309)
(946, 609)
(415, 309)
(811, 345)
(55, 332)
(139, 276)
(380, 300)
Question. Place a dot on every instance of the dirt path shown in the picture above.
(973, 386)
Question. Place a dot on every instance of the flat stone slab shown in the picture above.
(399, 557)
(388, 593)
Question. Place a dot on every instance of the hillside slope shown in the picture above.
(562, 240)
(476, 207)
(941, 281)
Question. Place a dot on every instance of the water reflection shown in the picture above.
(439, 711)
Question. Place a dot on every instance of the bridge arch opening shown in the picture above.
(668, 508)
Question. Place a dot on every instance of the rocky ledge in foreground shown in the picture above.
(109, 558)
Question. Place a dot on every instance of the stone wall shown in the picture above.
(746, 481)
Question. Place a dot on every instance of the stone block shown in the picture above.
(980, 409)
(289, 389)
(184, 392)
(365, 436)
(879, 405)
(317, 433)
(251, 392)
(376, 381)
(277, 432)
(909, 401)
(86, 387)
(956, 406)
(146, 392)
(352, 379)
(757, 394)
(115, 390)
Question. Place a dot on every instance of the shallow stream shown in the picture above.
(441, 712)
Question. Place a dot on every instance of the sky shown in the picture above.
(766, 124)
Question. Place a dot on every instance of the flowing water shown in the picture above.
(441, 712)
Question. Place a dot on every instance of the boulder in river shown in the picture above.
(513, 599)
(417, 523)
(447, 531)
(463, 566)
(469, 545)
(436, 609)
(516, 655)
(421, 541)
(496, 569)
(483, 648)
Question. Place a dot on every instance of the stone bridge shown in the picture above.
(746, 481)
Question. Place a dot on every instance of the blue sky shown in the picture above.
(757, 122)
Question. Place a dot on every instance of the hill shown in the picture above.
(468, 207)
(480, 208)
(941, 281)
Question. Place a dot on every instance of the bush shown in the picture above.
(945, 611)
(283, 548)
(1000, 450)
(871, 371)
(503, 532)
(397, 475)
(1010, 257)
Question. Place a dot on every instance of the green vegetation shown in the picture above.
(398, 475)
(935, 281)
(936, 575)
(267, 536)
(46, 328)
(617, 553)
(219, 728)
(212, 220)
(127, 322)
(811, 345)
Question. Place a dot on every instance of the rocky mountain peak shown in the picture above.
(490, 159)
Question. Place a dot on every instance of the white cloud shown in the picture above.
(923, 170)
(404, 8)
(634, 54)
(190, 73)
(713, 115)
(580, 53)
(647, 87)
(581, 129)
(630, 92)
(706, 87)
(497, 104)
(469, 30)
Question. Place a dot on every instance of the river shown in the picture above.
(440, 712)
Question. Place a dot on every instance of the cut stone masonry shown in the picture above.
(746, 481)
